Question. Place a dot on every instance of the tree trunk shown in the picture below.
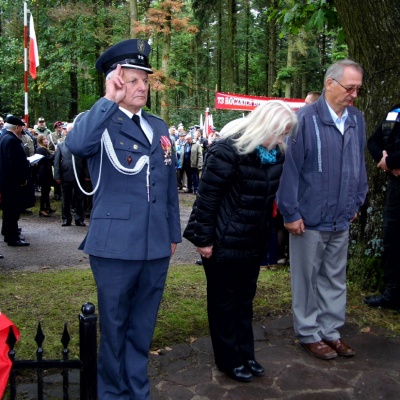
(134, 16)
(73, 78)
(272, 39)
(374, 44)
(166, 48)
(219, 54)
(230, 44)
(289, 64)
(246, 55)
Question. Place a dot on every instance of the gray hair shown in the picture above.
(270, 120)
(9, 127)
(335, 71)
(110, 75)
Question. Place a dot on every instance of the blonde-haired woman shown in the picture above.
(45, 175)
(230, 223)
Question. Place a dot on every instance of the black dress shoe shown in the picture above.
(19, 238)
(19, 243)
(199, 261)
(1, 256)
(380, 300)
(66, 223)
(80, 223)
(255, 368)
(241, 374)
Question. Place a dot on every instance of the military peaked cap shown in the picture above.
(131, 53)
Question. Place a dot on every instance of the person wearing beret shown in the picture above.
(14, 174)
(56, 136)
(135, 223)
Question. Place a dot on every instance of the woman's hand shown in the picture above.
(205, 252)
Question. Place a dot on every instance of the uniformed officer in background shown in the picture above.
(384, 146)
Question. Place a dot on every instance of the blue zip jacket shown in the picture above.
(324, 180)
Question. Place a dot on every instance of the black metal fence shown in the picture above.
(87, 364)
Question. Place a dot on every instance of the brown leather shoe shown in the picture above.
(320, 350)
(340, 347)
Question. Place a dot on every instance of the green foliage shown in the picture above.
(71, 35)
(286, 74)
(365, 268)
(319, 15)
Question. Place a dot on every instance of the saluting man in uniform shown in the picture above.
(135, 225)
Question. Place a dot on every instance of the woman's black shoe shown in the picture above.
(241, 374)
(255, 368)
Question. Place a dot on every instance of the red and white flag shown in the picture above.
(33, 50)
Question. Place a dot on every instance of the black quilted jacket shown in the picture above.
(233, 208)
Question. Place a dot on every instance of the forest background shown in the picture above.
(276, 48)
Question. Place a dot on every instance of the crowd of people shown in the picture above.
(36, 161)
(275, 169)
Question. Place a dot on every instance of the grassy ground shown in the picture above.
(56, 297)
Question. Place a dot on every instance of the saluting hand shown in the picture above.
(116, 87)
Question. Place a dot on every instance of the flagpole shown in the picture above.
(206, 123)
(26, 62)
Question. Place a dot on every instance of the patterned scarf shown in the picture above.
(266, 156)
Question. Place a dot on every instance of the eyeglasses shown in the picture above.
(350, 89)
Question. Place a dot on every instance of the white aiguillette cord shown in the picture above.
(106, 142)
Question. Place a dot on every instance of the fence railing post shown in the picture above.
(88, 352)
(11, 340)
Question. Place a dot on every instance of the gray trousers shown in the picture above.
(318, 276)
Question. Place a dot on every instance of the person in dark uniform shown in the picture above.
(135, 222)
(384, 146)
(14, 174)
(70, 192)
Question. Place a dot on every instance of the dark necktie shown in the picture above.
(136, 120)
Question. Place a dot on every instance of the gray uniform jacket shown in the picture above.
(63, 167)
(125, 224)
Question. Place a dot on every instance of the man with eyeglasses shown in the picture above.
(322, 187)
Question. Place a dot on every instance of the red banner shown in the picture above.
(226, 101)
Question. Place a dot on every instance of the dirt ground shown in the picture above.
(54, 247)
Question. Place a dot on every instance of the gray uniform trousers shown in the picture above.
(318, 262)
